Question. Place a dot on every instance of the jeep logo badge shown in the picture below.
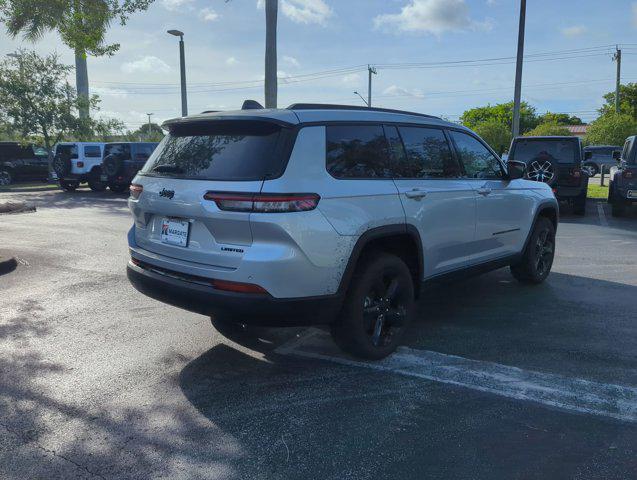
(167, 193)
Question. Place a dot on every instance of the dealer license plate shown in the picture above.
(175, 232)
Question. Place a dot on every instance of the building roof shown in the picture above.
(577, 129)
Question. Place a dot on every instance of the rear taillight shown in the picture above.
(136, 190)
(264, 202)
(80, 164)
(627, 174)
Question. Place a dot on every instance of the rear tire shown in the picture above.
(378, 308)
(96, 185)
(69, 186)
(617, 207)
(118, 187)
(579, 204)
(592, 169)
(537, 258)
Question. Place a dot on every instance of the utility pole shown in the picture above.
(371, 71)
(149, 127)
(518, 71)
(618, 58)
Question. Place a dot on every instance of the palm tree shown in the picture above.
(81, 25)
(271, 10)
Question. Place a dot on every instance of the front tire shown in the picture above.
(537, 258)
(378, 308)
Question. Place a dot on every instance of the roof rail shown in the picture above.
(328, 106)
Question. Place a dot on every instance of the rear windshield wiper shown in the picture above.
(168, 169)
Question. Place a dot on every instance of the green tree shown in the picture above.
(154, 133)
(37, 100)
(495, 133)
(627, 104)
(503, 113)
(560, 119)
(611, 129)
(81, 24)
(548, 129)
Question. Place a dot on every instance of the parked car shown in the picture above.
(123, 160)
(597, 157)
(328, 214)
(79, 162)
(622, 190)
(556, 161)
(22, 162)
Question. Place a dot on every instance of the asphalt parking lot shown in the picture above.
(497, 380)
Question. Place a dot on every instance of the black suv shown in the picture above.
(123, 160)
(622, 191)
(556, 161)
(22, 162)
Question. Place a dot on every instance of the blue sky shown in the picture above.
(224, 47)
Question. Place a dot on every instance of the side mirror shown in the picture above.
(588, 155)
(516, 169)
(617, 155)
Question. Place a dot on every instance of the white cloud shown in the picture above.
(290, 61)
(208, 15)
(147, 64)
(397, 91)
(303, 11)
(231, 61)
(492, 3)
(574, 31)
(432, 16)
(351, 79)
(173, 5)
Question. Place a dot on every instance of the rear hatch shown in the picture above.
(195, 158)
(563, 154)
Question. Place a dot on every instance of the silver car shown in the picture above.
(324, 214)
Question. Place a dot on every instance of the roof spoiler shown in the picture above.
(251, 105)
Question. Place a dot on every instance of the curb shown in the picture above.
(8, 265)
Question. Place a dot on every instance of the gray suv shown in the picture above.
(622, 191)
(327, 214)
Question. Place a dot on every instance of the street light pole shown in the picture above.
(362, 98)
(518, 71)
(149, 126)
(182, 70)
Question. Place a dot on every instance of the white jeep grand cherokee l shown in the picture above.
(328, 214)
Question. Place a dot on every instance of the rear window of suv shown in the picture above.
(225, 151)
(558, 150)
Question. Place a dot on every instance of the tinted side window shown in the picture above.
(142, 152)
(428, 154)
(92, 151)
(357, 151)
(478, 161)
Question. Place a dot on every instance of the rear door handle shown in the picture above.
(484, 191)
(415, 194)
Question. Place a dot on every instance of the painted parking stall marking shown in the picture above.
(574, 394)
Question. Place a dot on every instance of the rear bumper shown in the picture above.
(251, 309)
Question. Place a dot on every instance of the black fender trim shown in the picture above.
(375, 234)
(544, 206)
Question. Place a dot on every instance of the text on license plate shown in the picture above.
(175, 232)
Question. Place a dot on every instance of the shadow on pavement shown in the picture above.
(107, 201)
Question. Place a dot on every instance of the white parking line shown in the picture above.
(602, 216)
(572, 394)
